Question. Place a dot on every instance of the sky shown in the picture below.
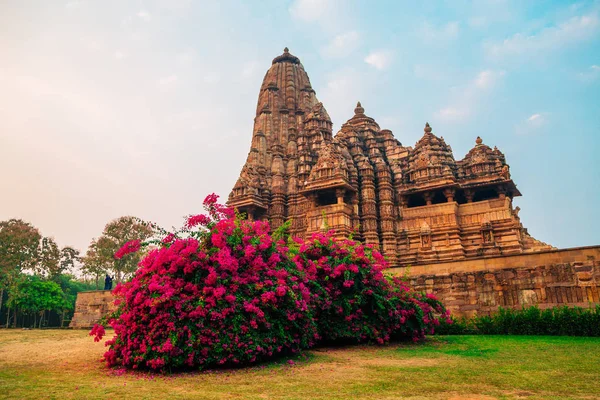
(112, 108)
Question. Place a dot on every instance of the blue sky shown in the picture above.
(143, 107)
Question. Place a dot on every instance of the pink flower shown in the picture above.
(169, 238)
(130, 247)
(211, 199)
(230, 298)
(98, 332)
(195, 220)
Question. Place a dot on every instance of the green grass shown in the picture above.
(64, 364)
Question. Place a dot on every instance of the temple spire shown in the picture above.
(359, 109)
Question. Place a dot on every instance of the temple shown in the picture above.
(417, 205)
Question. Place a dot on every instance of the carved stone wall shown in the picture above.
(547, 279)
(90, 307)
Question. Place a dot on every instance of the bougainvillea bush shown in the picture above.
(353, 300)
(225, 291)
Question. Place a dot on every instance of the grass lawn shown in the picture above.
(64, 364)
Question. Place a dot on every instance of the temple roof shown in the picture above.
(482, 165)
(286, 57)
(431, 161)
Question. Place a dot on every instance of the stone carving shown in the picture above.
(364, 181)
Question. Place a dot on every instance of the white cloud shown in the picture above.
(212, 78)
(532, 124)
(467, 98)
(444, 33)
(488, 79)
(119, 55)
(590, 75)
(168, 82)
(342, 45)
(73, 4)
(145, 15)
(186, 57)
(380, 59)
(310, 10)
(569, 32)
(343, 89)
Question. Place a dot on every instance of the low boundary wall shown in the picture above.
(480, 286)
(90, 307)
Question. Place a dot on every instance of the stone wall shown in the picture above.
(90, 307)
(550, 278)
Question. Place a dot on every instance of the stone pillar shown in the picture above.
(428, 196)
(469, 195)
(339, 193)
(501, 192)
(312, 201)
(449, 193)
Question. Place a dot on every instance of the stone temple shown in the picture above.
(417, 205)
(447, 226)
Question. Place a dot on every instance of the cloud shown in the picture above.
(310, 10)
(487, 79)
(73, 4)
(590, 75)
(342, 45)
(466, 99)
(144, 15)
(454, 113)
(444, 33)
(168, 82)
(380, 59)
(211, 78)
(119, 55)
(574, 30)
(187, 57)
(343, 89)
(532, 124)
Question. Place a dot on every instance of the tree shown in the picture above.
(49, 264)
(19, 250)
(68, 257)
(37, 296)
(116, 233)
(94, 263)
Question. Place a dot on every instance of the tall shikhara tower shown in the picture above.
(417, 205)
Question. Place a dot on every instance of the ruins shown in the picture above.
(417, 205)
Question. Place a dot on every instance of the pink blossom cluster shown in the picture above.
(354, 301)
(132, 246)
(234, 296)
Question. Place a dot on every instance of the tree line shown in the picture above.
(39, 281)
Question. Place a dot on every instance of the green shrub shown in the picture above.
(557, 321)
